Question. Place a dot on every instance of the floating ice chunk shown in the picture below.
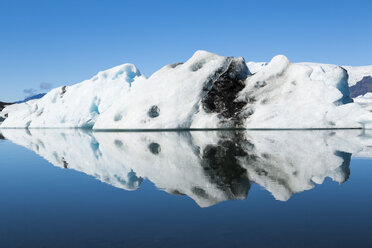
(207, 91)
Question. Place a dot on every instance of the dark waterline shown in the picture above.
(47, 206)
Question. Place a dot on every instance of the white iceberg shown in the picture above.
(207, 91)
(288, 95)
(172, 97)
(365, 101)
(355, 73)
(78, 105)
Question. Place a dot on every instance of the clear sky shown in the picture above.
(64, 42)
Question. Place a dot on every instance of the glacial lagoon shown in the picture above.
(78, 188)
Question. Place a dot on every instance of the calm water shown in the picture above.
(71, 188)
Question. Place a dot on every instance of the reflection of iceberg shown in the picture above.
(291, 162)
(209, 167)
(78, 150)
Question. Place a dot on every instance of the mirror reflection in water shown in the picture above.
(208, 166)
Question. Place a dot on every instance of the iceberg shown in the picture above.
(176, 96)
(355, 82)
(355, 73)
(208, 91)
(73, 106)
(365, 101)
(289, 95)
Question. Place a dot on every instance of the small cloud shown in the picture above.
(30, 91)
(45, 86)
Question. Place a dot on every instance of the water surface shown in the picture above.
(74, 188)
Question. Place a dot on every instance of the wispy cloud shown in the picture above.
(46, 86)
(30, 91)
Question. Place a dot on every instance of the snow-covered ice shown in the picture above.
(356, 73)
(207, 91)
(289, 95)
(170, 98)
(78, 105)
(365, 101)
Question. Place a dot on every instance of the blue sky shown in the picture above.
(65, 42)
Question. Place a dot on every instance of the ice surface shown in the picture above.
(207, 91)
(254, 67)
(356, 73)
(78, 105)
(333, 75)
(365, 101)
(175, 92)
(350, 76)
(288, 95)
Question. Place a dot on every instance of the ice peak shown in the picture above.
(278, 64)
(128, 72)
